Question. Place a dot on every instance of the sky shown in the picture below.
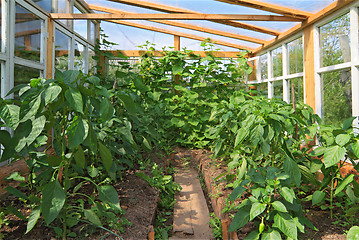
(129, 38)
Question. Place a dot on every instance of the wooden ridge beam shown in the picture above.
(172, 16)
(310, 21)
(188, 26)
(185, 35)
(170, 9)
(289, 12)
(139, 53)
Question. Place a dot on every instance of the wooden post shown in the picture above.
(225, 228)
(151, 233)
(50, 48)
(177, 43)
(309, 70)
(27, 42)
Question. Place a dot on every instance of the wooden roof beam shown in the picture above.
(188, 26)
(172, 16)
(139, 53)
(170, 9)
(181, 34)
(289, 12)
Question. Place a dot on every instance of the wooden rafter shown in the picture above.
(170, 9)
(172, 16)
(188, 26)
(185, 35)
(294, 13)
(28, 33)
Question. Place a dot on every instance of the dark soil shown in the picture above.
(137, 198)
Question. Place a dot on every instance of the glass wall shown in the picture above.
(62, 50)
(27, 34)
(295, 56)
(277, 62)
(79, 60)
(335, 41)
(297, 84)
(264, 66)
(80, 26)
(278, 90)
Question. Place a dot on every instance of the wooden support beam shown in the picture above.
(28, 33)
(177, 43)
(139, 53)
(186, 35)
(170, 9)
(310, 21)
(309, 73)
(172, 16)
(188, 26)
(50, 48)
(289, 12)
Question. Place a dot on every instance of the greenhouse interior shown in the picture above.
(179, 119)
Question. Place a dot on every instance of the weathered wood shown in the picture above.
(172, 16)
(50, 48)
(188, 26)
(225, 223)
(151, 234)
(290, 12)
(170, 9)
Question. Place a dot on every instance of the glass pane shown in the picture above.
(295, 56)
(278, 90)
(298, 89)
(92, 32)
(0, 23)
(54, 6)
(335, 41)
(92, 62)
(23, 75)
(336, 97)
(263, 89)
(27, 34)
(264, 66)
(79, 63)
(62, 50)
(80, 26)
(277, 62)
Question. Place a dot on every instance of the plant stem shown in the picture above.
(331, 198)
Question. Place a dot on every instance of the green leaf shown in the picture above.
(318, 196)
(286, 224)
(108, 194)
(254, 235)
(257, 208)
(92, 217)
(146, 143)
(53, 200)
(257, 134)
(106, 110)
(287, 194)
(29, 110)
(77, 132)
(241, 135)
(177, 69)
(292, 169)
(342, 139)
(243, 169)
(272, 235)
(353, 233)
(347, 180)
(80, 157)
(177, 122)
(279, 206)
(51, 93)
(16, 192)
(37, 126)
(240, 219)
(15, 176)
(16, 212)
(74, 98)
(237, 193)
(355, 148)
(106, 156)
(70, 76)
(348, 123)
(129, 103)
(308, 174)
(34, 216)
(333, 155)
(10, 115)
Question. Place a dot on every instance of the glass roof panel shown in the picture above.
(129, 37)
